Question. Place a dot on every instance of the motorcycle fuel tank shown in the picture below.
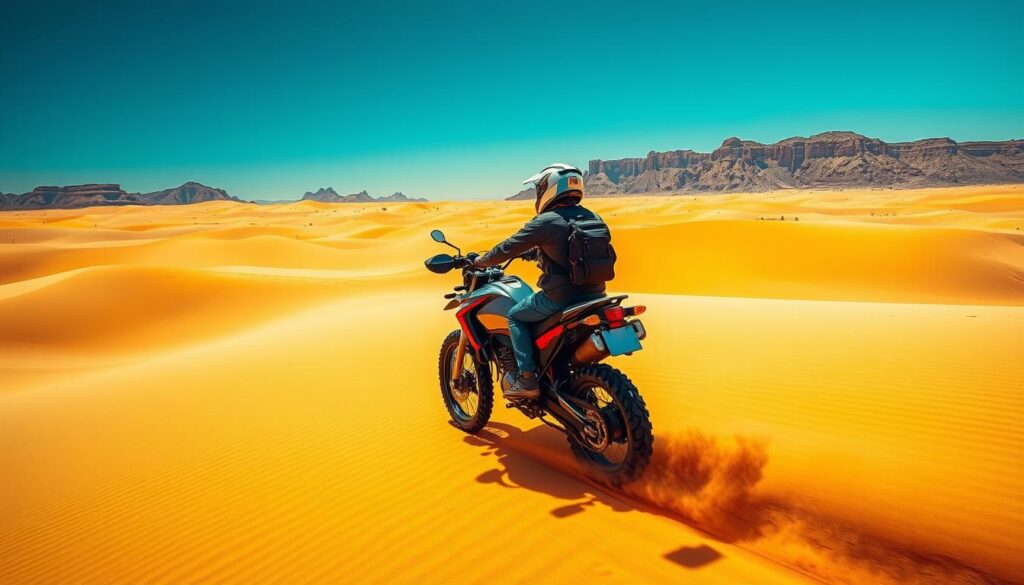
(508, 291)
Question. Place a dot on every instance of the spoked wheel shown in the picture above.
(471, 398)
(617, 441)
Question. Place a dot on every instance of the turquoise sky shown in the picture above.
(464, 99)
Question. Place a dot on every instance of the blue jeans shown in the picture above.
(532, 309)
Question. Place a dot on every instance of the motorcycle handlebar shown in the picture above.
(467, 262)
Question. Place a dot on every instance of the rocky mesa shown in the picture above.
(73, 196)
(828, 160)
(105, 194)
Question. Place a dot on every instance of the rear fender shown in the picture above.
(554, 349)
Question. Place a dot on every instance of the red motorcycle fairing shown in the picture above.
(469, 329)
(484, 313)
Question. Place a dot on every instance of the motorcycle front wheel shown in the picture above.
(471, 398)
(616, 448)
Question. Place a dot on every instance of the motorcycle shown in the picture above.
(595, 405)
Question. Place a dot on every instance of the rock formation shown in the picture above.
(73, 196)
(190, 192)
(400, 197)
(528, 193)
(93, 194)
(329, 195)
(827, 160)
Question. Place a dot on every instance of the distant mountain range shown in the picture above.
(329, 195)
(828, 160)
(74, 196)
(93, 194)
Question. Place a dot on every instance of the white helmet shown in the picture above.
(557, 182)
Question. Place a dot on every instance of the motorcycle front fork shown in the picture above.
(460, 350)
(460, 356)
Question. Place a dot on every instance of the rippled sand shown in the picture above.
(235, 393)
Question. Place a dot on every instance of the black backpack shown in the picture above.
(591, 256)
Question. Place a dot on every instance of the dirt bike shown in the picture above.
(595, 405)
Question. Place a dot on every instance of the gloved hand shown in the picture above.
(472, 257)
(530, 255)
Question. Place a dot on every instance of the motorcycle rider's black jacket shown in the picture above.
(549, 233)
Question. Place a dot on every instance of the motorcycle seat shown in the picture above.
(573, 312)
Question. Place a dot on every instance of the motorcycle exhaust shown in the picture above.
(591, 351)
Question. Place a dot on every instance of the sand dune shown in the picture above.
(232, 393)
(809, 260)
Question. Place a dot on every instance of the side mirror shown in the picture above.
(440, 263)
(438, 236)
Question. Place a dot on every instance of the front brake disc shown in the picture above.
(463, 387)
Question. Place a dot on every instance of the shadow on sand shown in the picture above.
(518, 469)
(710, 484)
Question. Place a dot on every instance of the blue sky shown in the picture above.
(464, 99)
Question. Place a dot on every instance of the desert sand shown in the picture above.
(227, 392)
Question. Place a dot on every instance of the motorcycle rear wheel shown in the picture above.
(629, 425)
(470, 404)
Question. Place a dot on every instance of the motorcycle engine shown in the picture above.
(506, 359)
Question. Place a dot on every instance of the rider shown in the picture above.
(559, 191)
